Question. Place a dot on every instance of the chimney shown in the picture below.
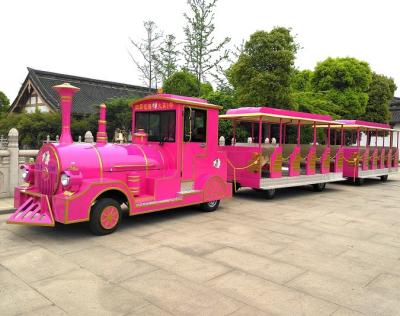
(101, 137)
(66, 92)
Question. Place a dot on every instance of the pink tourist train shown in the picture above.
(173, 161)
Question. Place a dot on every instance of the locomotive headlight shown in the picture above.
(65, 179)
(28, 173)
(25, 174)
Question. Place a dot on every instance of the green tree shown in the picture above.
(201, 53)
(119, 116)
(147, 49)
(381, 91)
(4, 102)
(167, 57)
(182, 83)
(345, 82)
(262, 74)
(226, 98)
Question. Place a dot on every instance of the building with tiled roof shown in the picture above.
(36, 92)
(395, 112)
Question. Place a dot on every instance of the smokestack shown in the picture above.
(101, 137)
(66, 92)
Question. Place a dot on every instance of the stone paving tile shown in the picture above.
(183, 242)
(126, 244)
(347, 294)
(82, 293)
(269, 269)
(113, 265)
(339, 267)
(346, 312)
(46, 311)
(183, 298)
(149, 310)
(385, 239)
(190, 267)
(270, 297)
(388, 285)
(37, 264)
(16, 296)
(385, 264)
(361, 245)
(249, 311)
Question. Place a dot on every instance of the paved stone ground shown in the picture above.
(6, 204)
(303, 253)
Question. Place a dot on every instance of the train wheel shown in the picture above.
(209, 206)
(360, 181)
(319, 187)
(105, 216)
(384, 178)
(269, 194)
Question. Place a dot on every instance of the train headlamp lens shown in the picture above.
(65, 179)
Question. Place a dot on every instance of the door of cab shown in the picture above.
(195, 151)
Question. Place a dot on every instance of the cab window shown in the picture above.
(195, 126)
(160, 126)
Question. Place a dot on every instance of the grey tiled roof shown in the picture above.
(92, 91)
(395, 110)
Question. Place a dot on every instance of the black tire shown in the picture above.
(319, 187)
(210, 206)
(98, 208)
(236, 188)
(269, 194)
(360, 181)
(384, 178)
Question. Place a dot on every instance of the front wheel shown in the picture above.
(384, 178)
(209, 206)
(105, 216)
(319, 187)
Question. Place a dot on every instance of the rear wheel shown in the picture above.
(209, 206)
(384, 178)
(269, 194)
(360, 181)
(319, 187)
(105, 216)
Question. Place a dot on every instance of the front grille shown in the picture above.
(47, 171)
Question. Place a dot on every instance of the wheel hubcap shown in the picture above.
(212, 203)
(109, 217)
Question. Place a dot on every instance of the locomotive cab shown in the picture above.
(172, 161)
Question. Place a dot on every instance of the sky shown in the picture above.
(90, 38)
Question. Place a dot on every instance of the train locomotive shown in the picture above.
(172, 161)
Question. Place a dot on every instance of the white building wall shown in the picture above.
(380, 139)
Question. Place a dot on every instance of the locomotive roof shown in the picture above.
(275, 115)
(179, 99)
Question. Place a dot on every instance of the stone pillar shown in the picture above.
(222, 141)
(14, 160)
(88, 137)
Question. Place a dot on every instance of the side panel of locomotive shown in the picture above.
(167, 165)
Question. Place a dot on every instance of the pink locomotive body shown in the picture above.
(173, 161)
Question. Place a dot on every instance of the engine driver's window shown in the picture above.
(195, 129)
(160, 126)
